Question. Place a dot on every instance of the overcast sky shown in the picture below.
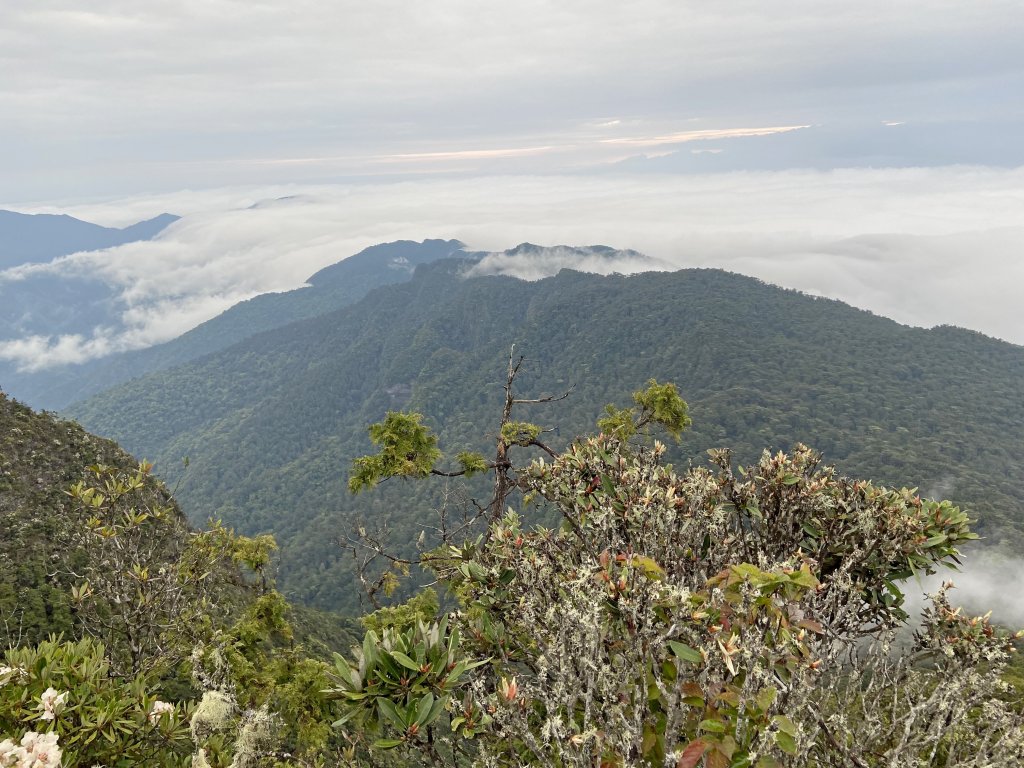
(116, 96)
(868, 151)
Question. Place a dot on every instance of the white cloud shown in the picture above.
(981, 586)
(925, 246)
(155, 95)
(34, 353)
(530, 264)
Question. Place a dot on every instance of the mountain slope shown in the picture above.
(271, 424)
(26, 238)
(329, 289)
(40, 458)
(42, 299)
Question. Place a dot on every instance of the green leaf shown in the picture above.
(405, 661)
(785, 725)
(712, 726)
(472, 463)
(390, 711)
(765, 698)
(423, 709)
(685, 652)
(786, 743)
(344, 718)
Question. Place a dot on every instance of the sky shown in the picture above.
(865, 151)
(115, 96)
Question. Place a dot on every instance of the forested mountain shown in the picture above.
(40, 458)
(42, 530)
(331, 288)
(271, 424)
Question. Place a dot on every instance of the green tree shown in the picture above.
(149, 588)
(720, 616)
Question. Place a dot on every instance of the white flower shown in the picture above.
(37, 750)
(52, 703)
(10, 755)
(7, 674)
(159, 709)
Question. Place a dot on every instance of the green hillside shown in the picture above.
(40, 458)
(272, 423)
(329, 289)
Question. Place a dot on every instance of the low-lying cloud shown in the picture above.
(987, 582)
(923, 246)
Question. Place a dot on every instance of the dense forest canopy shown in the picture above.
(271, 423)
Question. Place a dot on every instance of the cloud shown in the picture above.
(981, 586)
(162, 95)
(34, 353)
(534, 263)
(684, 137)
(924, 246)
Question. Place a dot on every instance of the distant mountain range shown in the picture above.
(43, 303)
(331, 288)
(32, 238)
(272, 422)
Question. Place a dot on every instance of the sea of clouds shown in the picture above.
(925, 246)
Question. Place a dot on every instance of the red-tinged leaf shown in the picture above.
(692, 754)
(690, 688)
(812, 625)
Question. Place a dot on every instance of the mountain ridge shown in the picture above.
(329, 288)
(270, 424)
(32, 238)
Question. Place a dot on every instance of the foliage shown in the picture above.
(471, 463)
(658, 404)
(713, 617)
(721, 617)
(68, 689)
(943, 703)
(40, 457)
(156, 602)
(407, 449)
(420, 608)
(264, 697)
(268, 422)
(402, 683)
(149, 588)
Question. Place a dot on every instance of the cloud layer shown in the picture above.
(924, 246)
(142, 96)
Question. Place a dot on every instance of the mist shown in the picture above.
(922, 246)
(988, 581)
